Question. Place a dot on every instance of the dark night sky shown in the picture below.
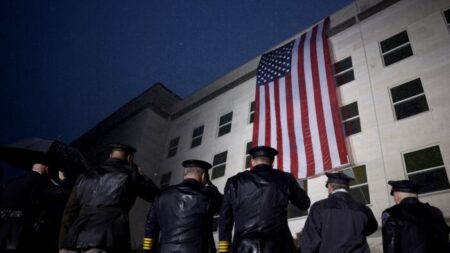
(66, 65)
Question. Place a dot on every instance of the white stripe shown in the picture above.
(315, 138)
(273, 118)
(284, 126)
(262, 116)
(297, 113)
(332, 144)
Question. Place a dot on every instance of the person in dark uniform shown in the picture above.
(183, 214)
(412, 226)
(96, 216)
(22, 202)
(338, 223)
(256, 202)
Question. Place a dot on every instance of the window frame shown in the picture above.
(292, 206)
(251, 116)
(357, 117)
(407, 174)
(174, 147)
(393, 104)
(361, 184)
(395, 48)
(247, 155)
(447, 22)
(214, 166)
(343, 72)
(200, 136)
(225, 124)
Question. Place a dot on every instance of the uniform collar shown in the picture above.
(410, 200)
(339, 190)
(262, 167)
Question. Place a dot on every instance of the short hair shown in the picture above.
(336, 186)
(193, 170)
(264, 159)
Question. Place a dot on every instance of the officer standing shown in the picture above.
(412, 226)
(338, 223)
(95, 219)
(256, 203)
(183, 214)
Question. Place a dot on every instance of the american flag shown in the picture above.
(296, 107)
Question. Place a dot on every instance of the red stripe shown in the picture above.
(278, 124)
(256, 118)
(268, 119)
(290, 126)
(333, 98)
(304, 111)
(323, 136)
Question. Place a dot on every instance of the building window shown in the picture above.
(350, 118)
(219, 164)
(343, 71)
(197, 135)
(225, 123)
(165, 180)
(396, 48)
(359, 188)
(248, 158)
(447, 17)
(293, 211)
(409, 99)
(252, 112)
(173, 146)
(426, 168)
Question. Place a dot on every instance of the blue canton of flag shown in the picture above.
(275, 64)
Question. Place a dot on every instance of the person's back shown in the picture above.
(338, 223)
(419, 228)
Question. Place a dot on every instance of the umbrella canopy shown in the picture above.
(60, 156)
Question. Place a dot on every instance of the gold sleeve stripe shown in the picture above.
(148, 243)
(224, 246)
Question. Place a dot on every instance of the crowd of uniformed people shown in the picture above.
(253, 212)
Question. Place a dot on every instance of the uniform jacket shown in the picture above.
(96, 215)
(414, 227)
(183, 215)
(22, 211)
(255, 202)
(338, 224)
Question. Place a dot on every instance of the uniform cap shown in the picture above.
(338, 178)
(196, 163)
(263, 151)
(403, 186)
(127, 148)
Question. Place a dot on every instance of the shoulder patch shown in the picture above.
(385, 216)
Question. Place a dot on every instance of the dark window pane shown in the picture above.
(349, 111)
(352, 127)
(196, 142)
(394, 41)
(411, 107)
(174, 142)
(345, 78)
(198, 131)
(248, 147)
(343, 65)
(423, 159)
(432, 180)
(226, 118)
(248, 158)
(224, 129)
(397, 55)
(358, 173)
(165, 179)
(220, 158)
(407, 90)
(218, 171)
(447, 16)
(172, 152)
(361, 194)
(252, 118)
(252, 106)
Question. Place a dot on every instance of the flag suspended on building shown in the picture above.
(296, 107)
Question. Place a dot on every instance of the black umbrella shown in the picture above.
(60, 156)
